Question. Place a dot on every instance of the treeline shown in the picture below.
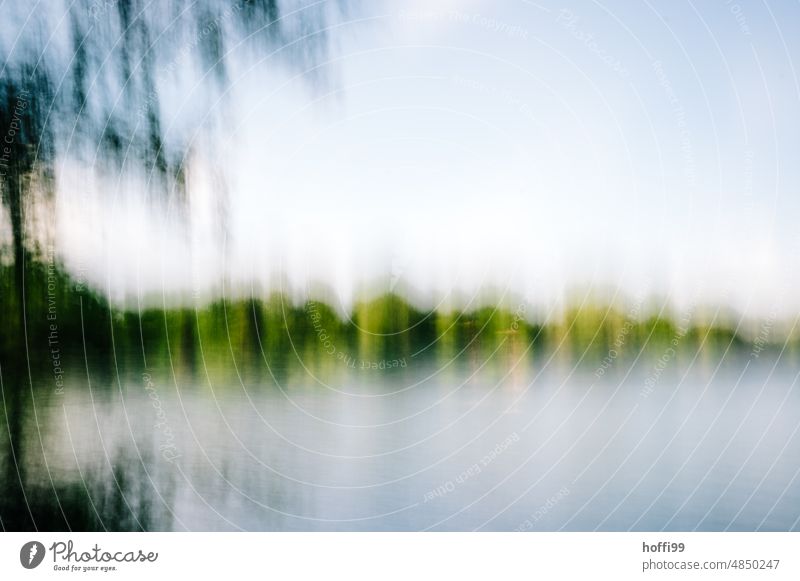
(275, 335)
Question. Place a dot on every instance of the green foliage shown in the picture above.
(276, 336)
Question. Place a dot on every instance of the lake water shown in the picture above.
(703, 444)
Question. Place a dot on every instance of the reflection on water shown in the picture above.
(710, 445)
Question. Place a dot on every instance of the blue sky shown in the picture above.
(534, 147)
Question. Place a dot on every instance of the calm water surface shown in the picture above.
(708, 446)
